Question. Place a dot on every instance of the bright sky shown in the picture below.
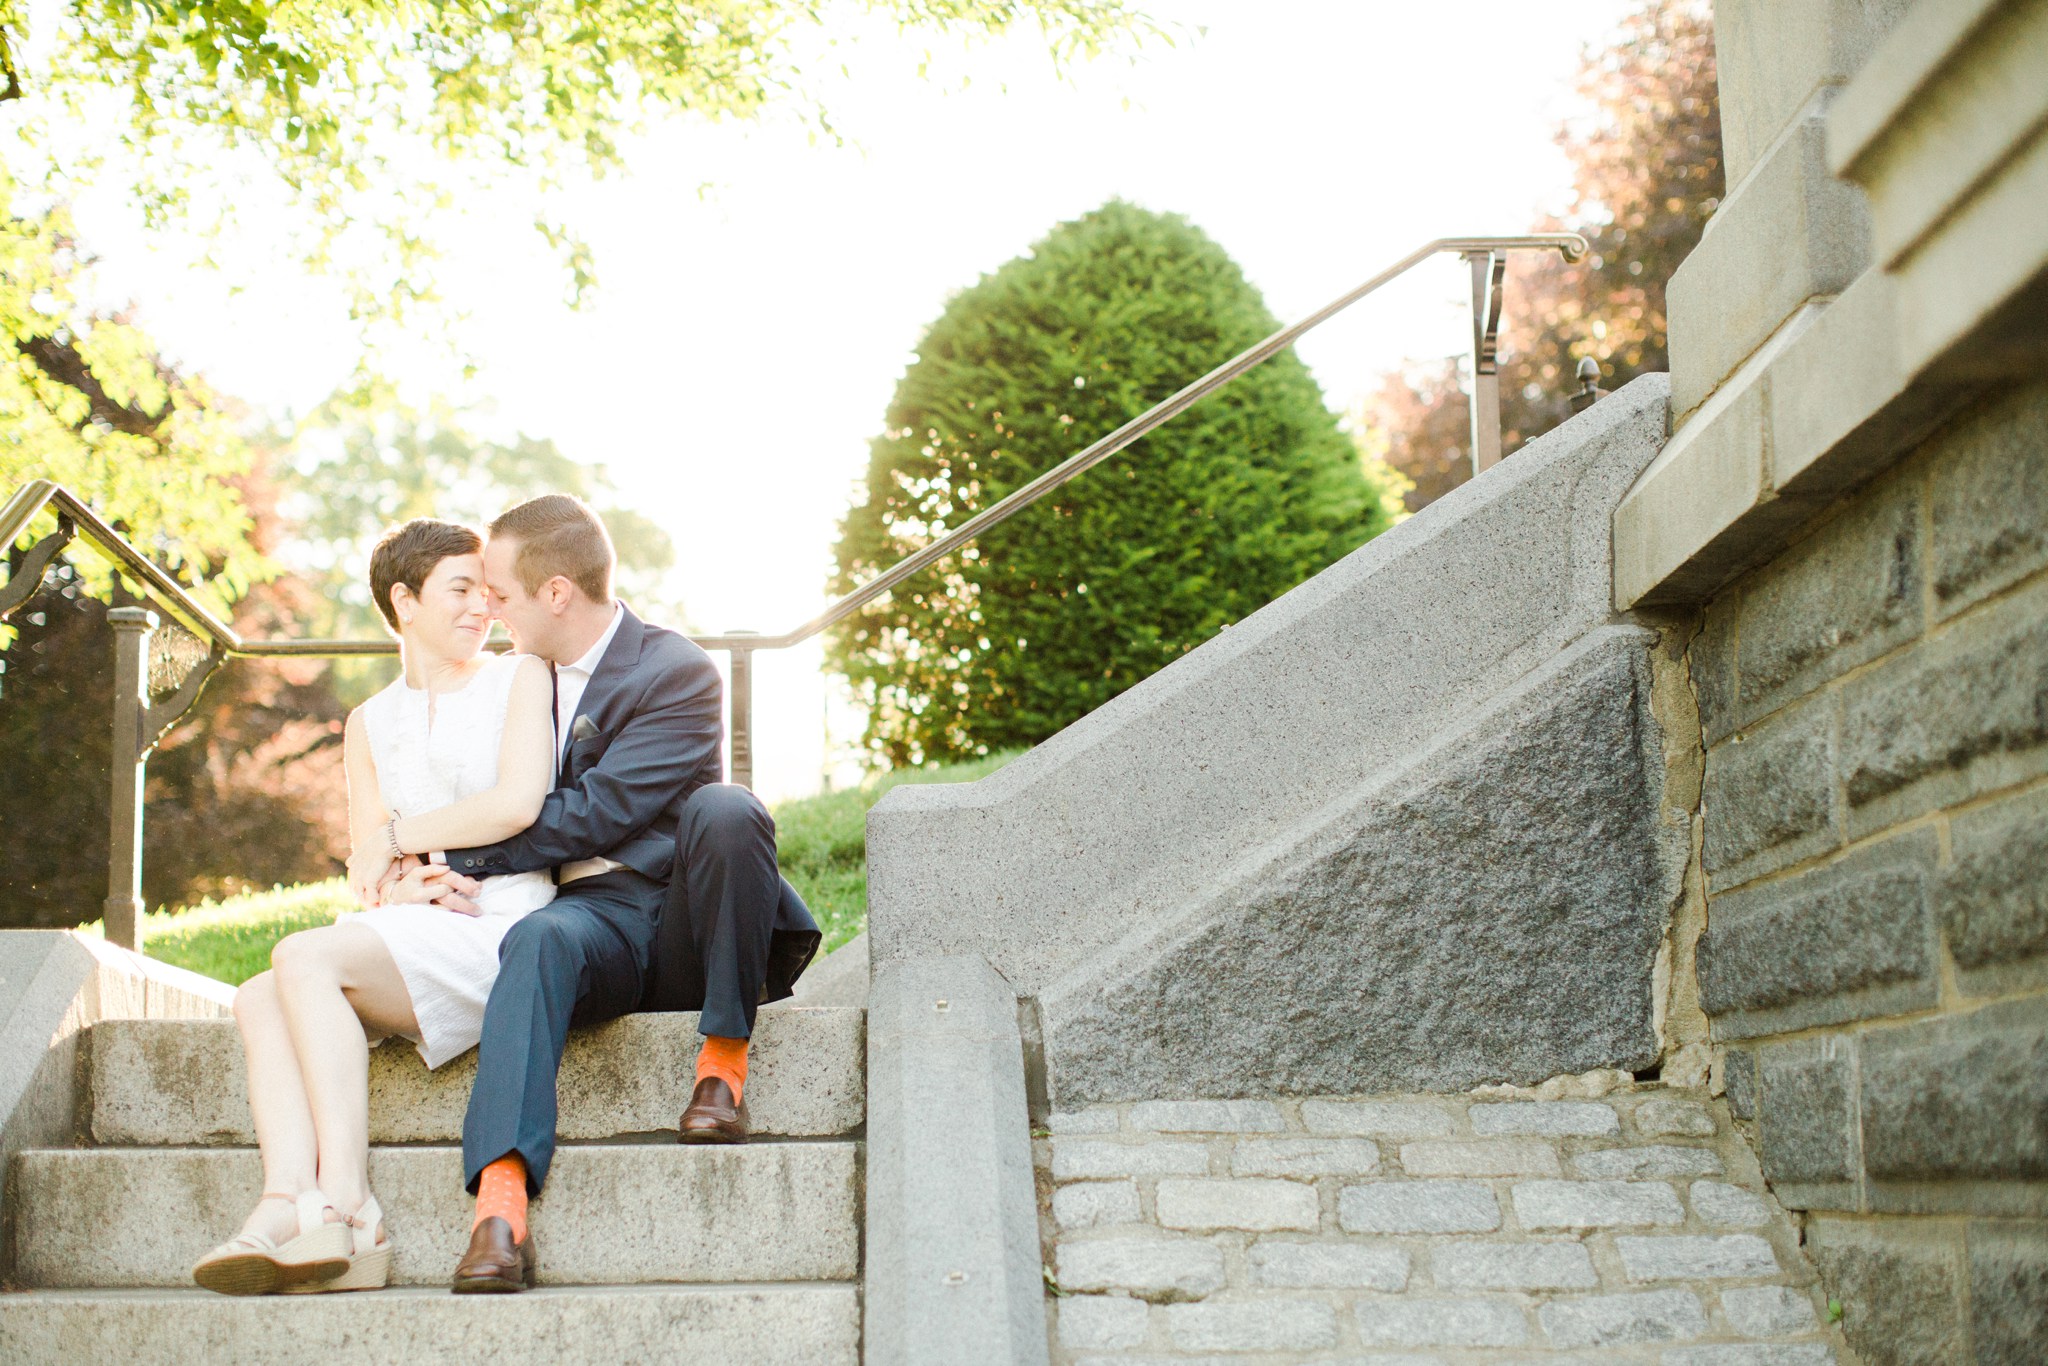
(745, 341)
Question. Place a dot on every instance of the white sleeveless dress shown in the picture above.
(448, 960)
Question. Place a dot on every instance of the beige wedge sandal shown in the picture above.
(369, 1260)
(251, 1264)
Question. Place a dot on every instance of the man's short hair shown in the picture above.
(558, 534)
(407, 554)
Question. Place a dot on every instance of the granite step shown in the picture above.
(761, 1325)
(166, 1082)
(621, 1213)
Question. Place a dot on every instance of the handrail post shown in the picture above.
(742, 728)
(1489, 268)
(122, 914)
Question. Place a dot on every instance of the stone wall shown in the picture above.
(1875, 967)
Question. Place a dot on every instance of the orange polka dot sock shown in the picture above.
(502, 1193)
(725, 1059)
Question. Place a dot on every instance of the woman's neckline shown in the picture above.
(474, 674)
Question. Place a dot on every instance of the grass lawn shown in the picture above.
(822, 843)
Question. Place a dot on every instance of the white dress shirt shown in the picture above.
(570, 682)
(572, 679)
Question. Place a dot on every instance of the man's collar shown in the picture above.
(595, 654)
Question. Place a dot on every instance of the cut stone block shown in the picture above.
(1839, 598)
(1906, 1280)
(1960, 1097)
(1418, 1207)
(1376, 1118)
(162, 1082)
(1422, 1018)
(1442, 1323)
(1261, 1326)
(1100, 1119)
(1075, 1159)
(1328, 1266)
(1992, 906)
(611, 1213)
(1485, 1157)
(1789, 233)
(1161, 1270)
(1647, 1163)
(1199, 827)
(1101, 1322)
(1773, 58)
(1250, 1204)
(1752, 1354)
(1726, 1206)
(778, 1325)
(1552, 1205)
(1769, 1311)
(1207, 1117)
(1850, 940)
(1990, 500)
(1906, 749)
(1683, 1258)
(1773, 795)
(1614, 1320)
(1305, 1157)
(1664, 1117)
(1553, 1118)
(1085, 1204)
(1513, 1266)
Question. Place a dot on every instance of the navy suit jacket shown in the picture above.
(655, 710)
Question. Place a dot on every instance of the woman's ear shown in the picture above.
(404, 602)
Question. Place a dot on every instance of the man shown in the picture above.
(669, 900)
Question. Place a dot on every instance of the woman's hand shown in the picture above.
(366, 870)
(436, 883)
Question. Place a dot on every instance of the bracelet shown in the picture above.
(391, 837)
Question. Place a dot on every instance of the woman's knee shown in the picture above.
(301, 960)
(256, 1000)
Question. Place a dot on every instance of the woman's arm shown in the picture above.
(369, 853)
(526, 768)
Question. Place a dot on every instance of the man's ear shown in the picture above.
(561, 593)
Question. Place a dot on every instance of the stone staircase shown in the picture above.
(650, 1250)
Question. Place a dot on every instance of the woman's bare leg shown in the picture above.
(277, 1099)
(334, 984)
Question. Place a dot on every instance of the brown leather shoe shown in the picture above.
(713, 1116)
(494, 1264)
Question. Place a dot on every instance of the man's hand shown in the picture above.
(436, 884)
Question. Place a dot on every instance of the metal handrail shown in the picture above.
(140, 724)
(1568, 244)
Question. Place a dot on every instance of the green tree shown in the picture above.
(1646, 159)
(362, 469)
(1134, 563)
(86, 401)
(369, 118)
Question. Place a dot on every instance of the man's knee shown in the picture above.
(724, 815)
(542, 937)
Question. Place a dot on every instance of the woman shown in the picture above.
(458, 751)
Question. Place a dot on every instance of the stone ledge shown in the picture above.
(1943, 129)
(804, 1081)
(1788, 234)
(953, 1267)
(611, 1213)
(777, 1325)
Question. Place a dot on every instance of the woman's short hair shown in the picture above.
(407, 554)
(557, 534)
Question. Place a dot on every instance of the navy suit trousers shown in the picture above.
(591, 955)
